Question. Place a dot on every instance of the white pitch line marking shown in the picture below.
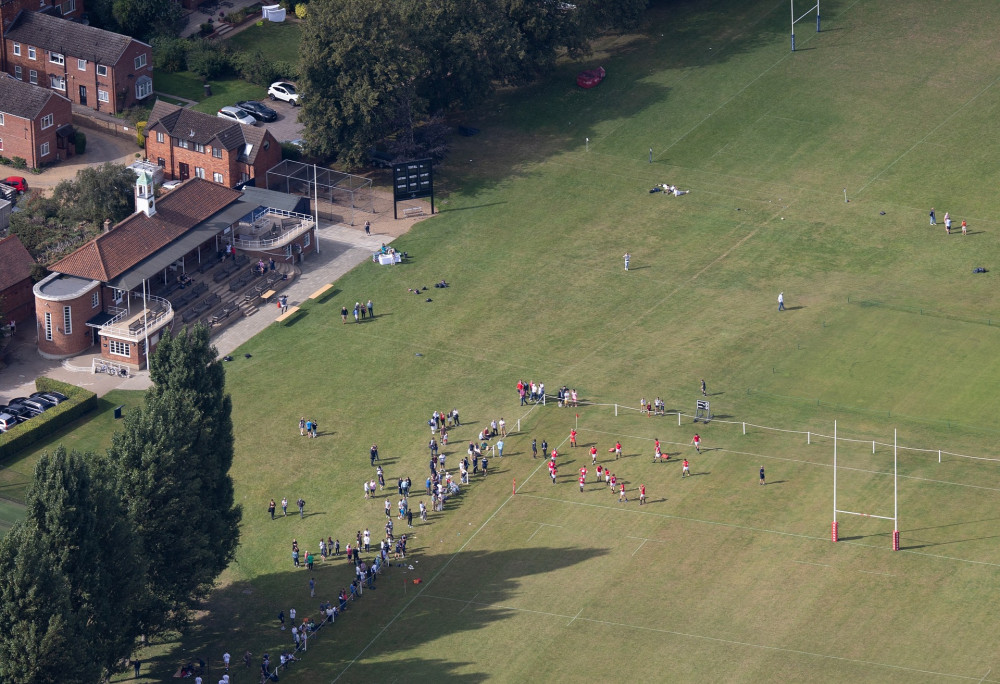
(574, 618)
(809, 563)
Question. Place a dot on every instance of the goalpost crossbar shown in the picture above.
(807, 13)
(866, 515)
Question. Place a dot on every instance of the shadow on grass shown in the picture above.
(247, 614)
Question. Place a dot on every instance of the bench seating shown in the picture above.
(288, 314)
(321, 291)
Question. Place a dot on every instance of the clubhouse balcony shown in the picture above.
(271, 229)
(139, 318)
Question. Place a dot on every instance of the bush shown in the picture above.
(290, 151)
(140, 133)
(301, 10)
(208, 60)
(4, 160)
(80, 403)
(19, 163)
(255, 67)
(80, 139)
(170, 54)
(207, 28)
(286, 70)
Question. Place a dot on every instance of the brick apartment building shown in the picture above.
(35, 123)
(90, 66)
(16, 299)
(189, 144)
(9, 9)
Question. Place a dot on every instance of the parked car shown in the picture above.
(380, 158)
(284, 91)
(236, 114)
(37, 404)
(52, 398)
(20, 404)
(17, 411)
(16, 182)
(7, 421)
(258, 110)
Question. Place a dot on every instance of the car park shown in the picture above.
(37, 404)
(16, 182)
(284, 91)
(258, 110)
(236, 114)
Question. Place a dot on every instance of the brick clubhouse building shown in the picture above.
(120, 291)
(189, 144)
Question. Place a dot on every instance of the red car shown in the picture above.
(590, 78)
(16, 182)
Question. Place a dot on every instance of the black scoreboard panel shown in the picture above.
(413, 179)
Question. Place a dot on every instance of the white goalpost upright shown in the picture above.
(834, 528)
(795, 21)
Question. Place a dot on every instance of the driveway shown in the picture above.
(287, 127)
(101, 147)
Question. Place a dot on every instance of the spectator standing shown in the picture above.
(271, 508)
(301, 503)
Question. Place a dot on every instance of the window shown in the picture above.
(119, 348)
(17, 49)
(31, 53)
(67, 320)
(199, 172)
(1, 119)
(102, 95)
(117, 295)
(288, 253)
(140, 61)
(102, 70)
(56, 58)
(68, 7)
(33, 77)
(43, 151)
(217, 152)
(161, 162)
(47, 121)
(57, 82)
(48, 326)
(95, 300)
(305, 239)
(182, 143)
(143, 89)
(159, 136)
(1, 144)
(198, 147)
(217, 177)
(81, 64)
(267, 144)
(18, 74)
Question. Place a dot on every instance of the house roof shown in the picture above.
(137, 237)
(205, 129)
(68, 37)
(15, 262)
(21, 99)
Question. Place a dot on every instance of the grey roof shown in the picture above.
(206, 129)
(251, 199)
(18, 98)
(68, 38)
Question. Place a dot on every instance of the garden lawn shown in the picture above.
(716, 577)
(277, 41)
(224, 92)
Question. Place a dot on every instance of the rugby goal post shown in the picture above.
(834, 528)
(806, 14)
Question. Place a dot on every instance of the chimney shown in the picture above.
(107, 225)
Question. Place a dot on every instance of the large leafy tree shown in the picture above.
(375, 69)
(143, 19)
(69, 575)
(97, 193)
(171, 463)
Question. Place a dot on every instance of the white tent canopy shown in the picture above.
(274, 12)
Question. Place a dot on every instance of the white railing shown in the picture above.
(160, 313)
(305, 223)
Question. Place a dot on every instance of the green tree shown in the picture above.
(143, 19)
(69, 576)
(356, 55)
(171, 465)
(97, 193)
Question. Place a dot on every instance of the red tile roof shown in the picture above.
(110, 254)
(15, 262)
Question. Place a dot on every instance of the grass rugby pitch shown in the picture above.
(716, 579)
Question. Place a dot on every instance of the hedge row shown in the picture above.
(80, 403)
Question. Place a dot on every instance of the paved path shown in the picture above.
(341, 249)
